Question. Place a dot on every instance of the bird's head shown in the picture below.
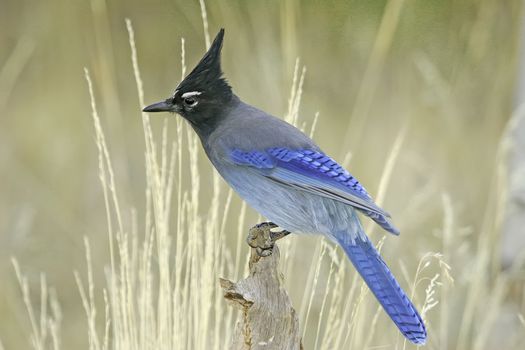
(203, 94)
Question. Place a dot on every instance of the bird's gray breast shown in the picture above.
(292, 209)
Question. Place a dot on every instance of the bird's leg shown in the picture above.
(262, 238)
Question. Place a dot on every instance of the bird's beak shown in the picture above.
(163, 106)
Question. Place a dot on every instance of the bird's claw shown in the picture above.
(262, 238)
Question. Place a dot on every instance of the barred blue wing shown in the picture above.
(313, 171)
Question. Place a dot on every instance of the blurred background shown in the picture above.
(441, 76)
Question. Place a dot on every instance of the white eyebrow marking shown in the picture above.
(191, 93)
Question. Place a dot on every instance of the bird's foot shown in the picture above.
(262, 238)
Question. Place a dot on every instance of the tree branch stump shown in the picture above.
(267, 320)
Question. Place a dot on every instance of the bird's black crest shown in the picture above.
(207, 76)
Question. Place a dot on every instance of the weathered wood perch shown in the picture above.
(267, 319)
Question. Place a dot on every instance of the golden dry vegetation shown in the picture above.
(414, 97)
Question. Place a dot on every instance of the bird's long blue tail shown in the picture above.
(383, 284)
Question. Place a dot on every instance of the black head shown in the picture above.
(204, 93)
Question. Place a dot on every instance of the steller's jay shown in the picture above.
(287, 178)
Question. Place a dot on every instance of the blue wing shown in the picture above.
(313, 172)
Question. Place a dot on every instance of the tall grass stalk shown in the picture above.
(46, 324)
(372, 74)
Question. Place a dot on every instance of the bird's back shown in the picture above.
(248, 128)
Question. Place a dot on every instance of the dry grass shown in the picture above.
(159, 288)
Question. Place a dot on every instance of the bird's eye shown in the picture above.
(190, 101)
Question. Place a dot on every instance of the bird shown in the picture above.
(268, 161)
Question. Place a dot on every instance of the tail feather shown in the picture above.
(382, 221)
(383, 284)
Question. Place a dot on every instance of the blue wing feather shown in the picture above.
(259, 160)
(321, 163)
(314, 172)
